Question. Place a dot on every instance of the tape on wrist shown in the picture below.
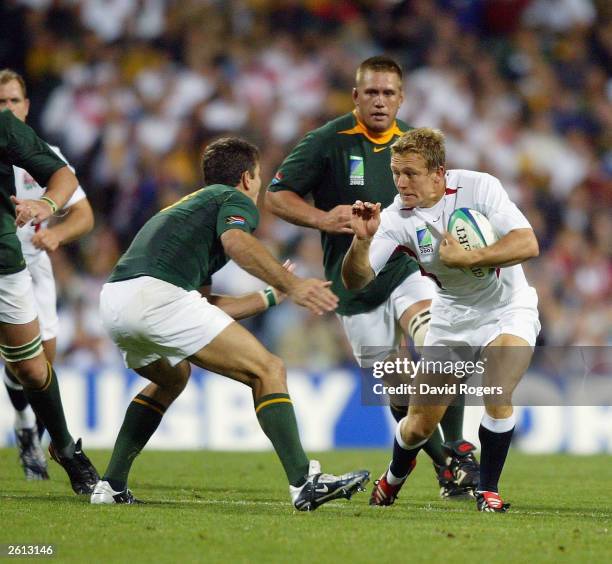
(269, 297)
(53, 205)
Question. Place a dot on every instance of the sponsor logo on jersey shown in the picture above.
(379, 149)
(235, 220)
(277, 178)
(357, 171)
(424, 240)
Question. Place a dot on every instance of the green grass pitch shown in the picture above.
(234, 507)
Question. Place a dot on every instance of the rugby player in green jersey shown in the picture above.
(36, 240)
(20, 340)
(158, 308)
(346, 160)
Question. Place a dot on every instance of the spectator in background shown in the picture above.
(528, 73)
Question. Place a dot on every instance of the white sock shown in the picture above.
(394, 480)
(498, 425)
(25, 419)
(10, 383)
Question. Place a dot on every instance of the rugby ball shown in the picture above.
(473, 231)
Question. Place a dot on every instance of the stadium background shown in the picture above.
(132, 90)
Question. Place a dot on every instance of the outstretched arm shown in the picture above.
(251, 255)
(240, 307)
(293, 208)
(356, 269)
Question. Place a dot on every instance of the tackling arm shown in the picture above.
(293, 208)
(251, 255)
(238, 307)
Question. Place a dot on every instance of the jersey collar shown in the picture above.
(376, 138)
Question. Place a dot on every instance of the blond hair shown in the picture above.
(379, 63)
(424, 141)
(6, 75)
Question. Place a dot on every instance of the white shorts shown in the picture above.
(45, 296)
(477, 327)
(17, 304)
(150, 319)
(378, 330)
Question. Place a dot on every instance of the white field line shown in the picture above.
(287, 504)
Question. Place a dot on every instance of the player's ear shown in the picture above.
(355, 94)
(244, 180)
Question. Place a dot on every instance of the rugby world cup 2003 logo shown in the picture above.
(356, 171)
(424, 240)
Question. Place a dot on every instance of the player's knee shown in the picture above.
(419, 428)
(30, 373)
(177, 382)
(499, 411)
(271, 369)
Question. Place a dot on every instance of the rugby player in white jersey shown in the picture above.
(35, 241)
(498, 310)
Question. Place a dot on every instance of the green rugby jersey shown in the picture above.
(339, 163)
(181, 244)
(19, 146)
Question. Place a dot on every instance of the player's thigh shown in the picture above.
(411, 302)
(17, 306)
(374, 336)
(150, 319)
(21, 348)
(45, 295)
(237, 354)
(507, 360)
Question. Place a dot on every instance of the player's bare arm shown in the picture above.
(60, 187)
(294, 209)
(241, 307)
(356, 269)
(251, 255)
(514, 248)
(77, 221)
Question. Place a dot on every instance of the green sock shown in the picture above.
(142, 418)
(47, 404)
(433, 447)
(452, 422)
(277, 419)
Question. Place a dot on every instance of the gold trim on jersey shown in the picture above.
(377, 138)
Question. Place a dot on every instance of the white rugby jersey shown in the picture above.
(417, 232)
(27, 188)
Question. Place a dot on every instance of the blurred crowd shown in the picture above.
(132, 90)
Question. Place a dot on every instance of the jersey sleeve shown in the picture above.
(79, 193)
(302, 169)
(237, 212)
(493, 201)
(383, 244)
(31, 153)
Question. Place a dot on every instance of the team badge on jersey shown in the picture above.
(424, 240)
(357, 171)
(277, 178)
(235, 220)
